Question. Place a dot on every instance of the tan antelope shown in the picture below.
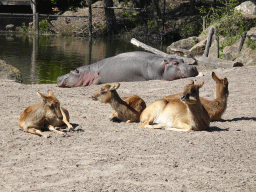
(127, 109)
(182, 113)
(47, 114)
(216, 107)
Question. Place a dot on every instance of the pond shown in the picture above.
(42, 59)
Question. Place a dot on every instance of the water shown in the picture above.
(41, 60)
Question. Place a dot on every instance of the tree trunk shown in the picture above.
(111, 18)
(158, 11)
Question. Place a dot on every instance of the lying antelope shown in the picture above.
(47, 114)
(182, 113)
(127, 109)
(216, 107)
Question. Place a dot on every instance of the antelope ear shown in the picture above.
(50, 93)
(215, 78)
(191, 82)
(114, 86)
(200, 84)
(225, 80)
(42, 96)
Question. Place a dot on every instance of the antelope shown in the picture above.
(127, 109)
(216, 107)
(47, 114)
(184, 113)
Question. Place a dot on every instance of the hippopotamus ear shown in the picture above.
(114, 86)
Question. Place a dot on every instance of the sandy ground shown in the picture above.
(104, 156)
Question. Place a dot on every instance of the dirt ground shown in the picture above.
(104, 156)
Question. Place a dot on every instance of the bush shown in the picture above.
(44, 26)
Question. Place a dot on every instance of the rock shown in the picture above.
(246, 7)
(184, 43)
(252, 34)
(8, 72)
(247, 55)
(199, 48)
(180, 52)
(232, 51)
(9, 27)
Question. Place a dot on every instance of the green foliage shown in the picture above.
(151, 24)
(190, 29)
(230, 23)
(225, 9)
(250, 43)
(24, 27)
(229, 41)
(44, 25)
(131, 15)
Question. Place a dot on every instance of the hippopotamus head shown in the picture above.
(177, 69)
(78, 77)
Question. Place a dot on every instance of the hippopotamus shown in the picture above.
(130, 66)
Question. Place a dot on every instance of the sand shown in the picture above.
(104, 156)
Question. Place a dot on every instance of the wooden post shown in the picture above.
(217, 45)
(242, 41)
(209, 42)
(90, 50)
(204, 24)
(37, 23)
(34, 13)
(90, 18)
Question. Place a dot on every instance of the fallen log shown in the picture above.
(134, 41)
(216, 62)
(199, 60)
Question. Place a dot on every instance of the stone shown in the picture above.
(252, 34)
(199, 48)
(246, 7)
(8, 72)
(9, 27)
(184, 43)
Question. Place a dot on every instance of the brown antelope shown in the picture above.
(182, 113)
(127, 109)
(47, 114)
(216, 107)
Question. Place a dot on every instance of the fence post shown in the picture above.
(34, 13)
(90, 18)
(209, 42)
(37, 23)
(242, 41)
(217, 45)
(204, 24)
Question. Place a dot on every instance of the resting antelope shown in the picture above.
(47, 114)
(127, 109)
(216, 107)
(182, 113)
